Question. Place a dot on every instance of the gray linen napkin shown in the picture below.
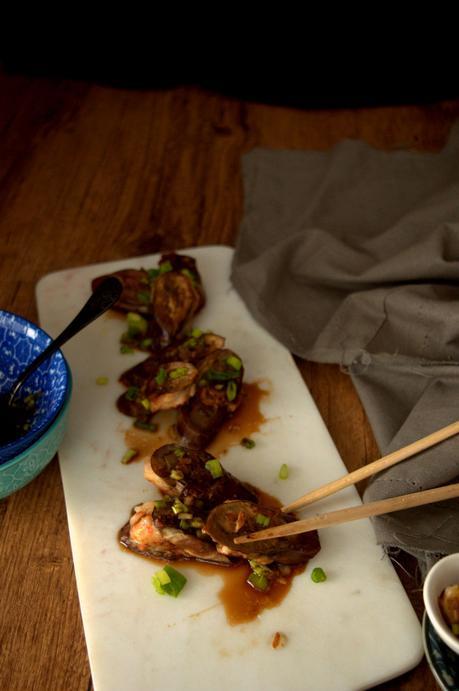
(352, 256)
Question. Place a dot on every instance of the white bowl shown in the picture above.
(444, 573)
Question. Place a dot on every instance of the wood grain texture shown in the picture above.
(91, 174)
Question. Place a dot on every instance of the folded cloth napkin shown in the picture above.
(351, 256)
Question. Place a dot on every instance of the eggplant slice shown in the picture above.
(169, 386)
(234, 518)
(218, 395)
(181, 472)
(193, 349)
(155, 531)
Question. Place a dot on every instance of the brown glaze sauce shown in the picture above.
(241, 602)
(247, 420)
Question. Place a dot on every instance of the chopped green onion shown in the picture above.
(132, 393)
(137, 325)
(124, 349)
(179, 507)
(191, 343)
(179, 372)
(168, 581)
(215, 375)
(189, 274)
(146, 343)
(258, 581)
(197, 523)
(160, 503)
(185, 516)
(179, 452)
(259, 568)
(146, 403)
(184, 524)
(234, 362)
(231, 390)
(164, 267)
(101, 381)
(161, 376)
(176, 474)
(318, 575)
(196, 333)
(248, 443)
(214, 468)
(262, 520)
(128, 456)
(153, 273)
(283, 472)
(143, 297)
(455, 629)
(147, 426)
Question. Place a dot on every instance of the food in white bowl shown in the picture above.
(441, 593)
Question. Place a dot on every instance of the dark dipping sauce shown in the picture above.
(15, 420)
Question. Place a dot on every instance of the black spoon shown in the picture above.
(13, 416)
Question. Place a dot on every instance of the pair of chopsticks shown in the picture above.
(376, 508)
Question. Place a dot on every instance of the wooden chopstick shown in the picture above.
(354, 513)
(373, 468)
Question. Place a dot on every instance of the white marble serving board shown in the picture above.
(355, 630)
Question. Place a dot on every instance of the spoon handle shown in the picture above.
(104, 297)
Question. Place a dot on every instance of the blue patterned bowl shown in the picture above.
(20, 342)
(22, 469)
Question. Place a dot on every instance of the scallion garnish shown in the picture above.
(132, 393)
(168, 581)
(258, 581)
(191, 343)
(189, 274)
(101, 381)
(231, 390)
(137, 325)
(283, 472)
(160, 504)
(234, 362)
(161, 376)
(261, 519)
(129, 456)
(179, 452)
(145, 403)
(125, 349)
(146, 426)
(247, 443)
(146, 343)
(176, 474)
(318, 575)
(215, 375)
(153, 273)
(179, 507)
(143, 297)
(196, 333)
(214, 467)
(179, 372)
(165, 267)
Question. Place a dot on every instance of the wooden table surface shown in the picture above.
(90, 174)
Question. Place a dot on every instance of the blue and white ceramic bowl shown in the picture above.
(22, 469)
(20, 342)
